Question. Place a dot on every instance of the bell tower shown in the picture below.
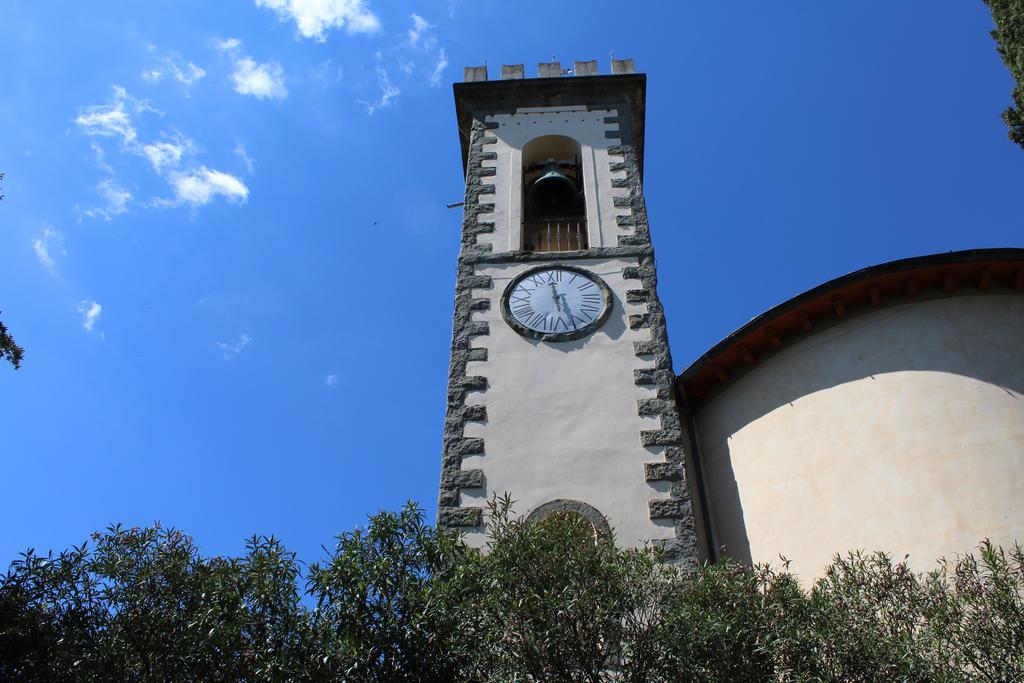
(561, 389)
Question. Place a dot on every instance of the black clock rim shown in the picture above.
(592, 326)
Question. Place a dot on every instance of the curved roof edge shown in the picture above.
(895, 282)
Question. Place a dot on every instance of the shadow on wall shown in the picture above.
(974, 336)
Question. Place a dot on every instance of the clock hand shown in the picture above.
(568, 309)
(554, 295)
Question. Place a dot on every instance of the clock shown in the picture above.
(556, 303)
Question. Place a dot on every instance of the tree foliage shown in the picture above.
(380, 599)
(9, 349)
(403, 601)
(1009, 36)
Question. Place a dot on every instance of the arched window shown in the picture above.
(554, 205)
(554, 508)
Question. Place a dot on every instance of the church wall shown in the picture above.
(900, 430)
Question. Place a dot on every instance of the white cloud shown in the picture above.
(229, 44)
(188, 74)
(51, 242)
(200, 186)
(419, 25)
(262, 81)
(230, 349)
(165, 154)
(114, 120)
(115, 198)
(192, 185)
(43, 254)
(90, 311)
(314, 18)
(331, 381)
(101, 157)
(421, 40)
(241, 153)
(442, 62)
(108, 120)
(388, 92)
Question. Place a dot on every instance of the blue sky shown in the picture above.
(225, 248)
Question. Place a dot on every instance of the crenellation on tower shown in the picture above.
(511, 72)
(623, 66)
(552, 69)
(472, 74)
(549, 69)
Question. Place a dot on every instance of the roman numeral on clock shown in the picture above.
(523, 312)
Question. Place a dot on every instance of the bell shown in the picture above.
(553, 193)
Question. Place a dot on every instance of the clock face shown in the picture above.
(556, 303)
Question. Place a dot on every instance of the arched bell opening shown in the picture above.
(554, 204)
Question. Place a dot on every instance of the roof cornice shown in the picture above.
(974, 271)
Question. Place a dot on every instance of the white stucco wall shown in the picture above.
(901, 430)
(562, 418)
